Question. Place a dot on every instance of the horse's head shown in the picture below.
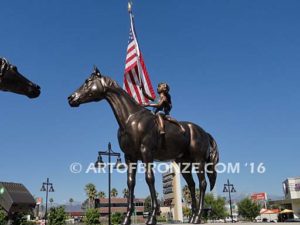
(92, 90)
(11, 80)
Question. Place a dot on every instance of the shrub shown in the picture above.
(92, 217)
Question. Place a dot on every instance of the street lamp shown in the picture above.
(47, 187)
(229, 188)
(99, 163)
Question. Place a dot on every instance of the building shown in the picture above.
(120, 205)
(172, 193)
(291, 190)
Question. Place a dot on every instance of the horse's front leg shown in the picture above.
(131, 173)
(147, 159)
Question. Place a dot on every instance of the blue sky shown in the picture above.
(233, 68)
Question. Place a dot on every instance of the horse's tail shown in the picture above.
(212, 161)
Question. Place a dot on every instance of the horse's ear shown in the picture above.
(96, 71)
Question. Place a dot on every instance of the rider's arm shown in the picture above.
(145, 94)
(159, 104)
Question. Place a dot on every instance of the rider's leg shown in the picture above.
(161, 124)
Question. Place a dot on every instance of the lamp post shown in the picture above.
(99, 163)
(47, 190)
(229, 188)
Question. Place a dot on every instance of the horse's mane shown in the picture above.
(110, 82)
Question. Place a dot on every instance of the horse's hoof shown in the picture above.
(151, 220)
(196, 220)
(127, 221)
(191, 219)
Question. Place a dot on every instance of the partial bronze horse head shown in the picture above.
(92, 90)
(11, 80)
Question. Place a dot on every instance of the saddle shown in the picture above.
(160, 118)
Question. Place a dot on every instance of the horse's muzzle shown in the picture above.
(73, 100)
(34, 92)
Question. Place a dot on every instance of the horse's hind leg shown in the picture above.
(202, 187)
(186, 171)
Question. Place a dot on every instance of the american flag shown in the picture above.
(136, 74)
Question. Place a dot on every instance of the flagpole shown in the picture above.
(135, 38)
(132, 25)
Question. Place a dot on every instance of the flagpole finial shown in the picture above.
(129, 6)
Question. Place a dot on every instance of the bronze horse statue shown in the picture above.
(139, 139)
(11, 80)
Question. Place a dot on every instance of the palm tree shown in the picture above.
(71, 200)
(186, 194)
(51, 201)
(114, 193)
(91, 192)
(125, 193)
(101, 194)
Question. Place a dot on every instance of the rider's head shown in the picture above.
(163, 88)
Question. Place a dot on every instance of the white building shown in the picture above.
(291, 189)
(172, 192)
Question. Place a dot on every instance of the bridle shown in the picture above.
(4, 66)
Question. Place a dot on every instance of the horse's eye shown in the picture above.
(13, 67)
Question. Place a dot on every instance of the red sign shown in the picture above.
(259, 196)
(39, 201)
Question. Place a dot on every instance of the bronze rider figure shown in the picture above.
(163, 107)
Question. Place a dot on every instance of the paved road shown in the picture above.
(244, 223)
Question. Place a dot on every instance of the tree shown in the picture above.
(91, 192)
(92, 217)
(57, 216)
(101, 194)
(85, 204)
(125, 193)
(3, 217)
(187, 212)
(51, 201)
(71, 200)
(248, 209)
(114, 193)
(217, 205)
(147, 204)
(186, 195)
(116, 218)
